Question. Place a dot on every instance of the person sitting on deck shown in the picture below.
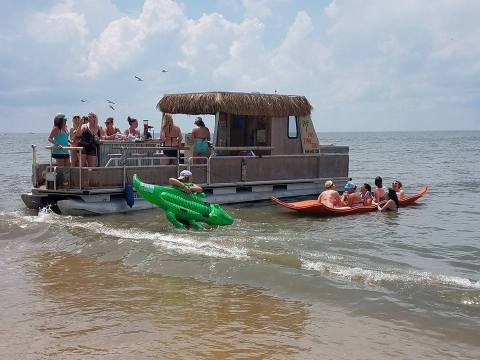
(366, 193)
(350, 197)
(397, 187)
(110, 132)
(185, 182)
(330, 197)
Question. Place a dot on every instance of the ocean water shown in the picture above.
(273, 285)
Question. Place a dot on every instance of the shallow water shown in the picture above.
(273, 285)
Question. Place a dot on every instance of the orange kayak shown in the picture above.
(314, 207)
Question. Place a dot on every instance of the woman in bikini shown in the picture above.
(110, 132)
(75, 136)
(59, 138)
(201, 137)
(397, 187)
(392, 202)
(171, 137)
(132, 131)
(90, 136)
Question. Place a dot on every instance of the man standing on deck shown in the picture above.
(330, 197)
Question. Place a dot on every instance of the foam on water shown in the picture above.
(378, 276)
(174, 242)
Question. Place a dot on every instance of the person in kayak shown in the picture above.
(185, 182)
(397, 186)
(350, 197)
(392, 202)
(379, 191)
(330, 197)
(366, 193)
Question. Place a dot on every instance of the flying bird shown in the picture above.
(164, 71)
(83, 100)
(111, 107)
(110, 102)
(138, 78)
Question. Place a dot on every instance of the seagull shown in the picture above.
(138, 78)
(111, 107)
(110, 102)
(164, 71)
(83, 100)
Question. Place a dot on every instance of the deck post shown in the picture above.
(34, 165)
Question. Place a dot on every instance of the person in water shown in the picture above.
(330, 197)
(397, 186)
(366, 193)
(90, 137)
(392, 202)
(75, 138)
(110, 132)
(201, 138)
(132, 131)
(59, 138)
(185, 182)
(350, 197)
(171, 137)
(379, 191)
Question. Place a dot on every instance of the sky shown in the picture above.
(365, 65)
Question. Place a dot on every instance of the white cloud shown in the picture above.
(124, 39)
(58, 26)
(377, 56)
(208, 42)
(257, 8)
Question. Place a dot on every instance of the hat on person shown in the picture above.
(349, 185)
(60, 116)
(329, 184)
(184, 174)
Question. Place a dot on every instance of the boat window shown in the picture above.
(292, 127)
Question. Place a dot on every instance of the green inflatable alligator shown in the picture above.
(182, 208)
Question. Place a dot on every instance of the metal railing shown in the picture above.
(79, 149)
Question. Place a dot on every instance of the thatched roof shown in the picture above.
(235, 103)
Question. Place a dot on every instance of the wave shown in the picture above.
(176, 242)
(379, 276)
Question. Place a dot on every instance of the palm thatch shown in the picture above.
(272, 105)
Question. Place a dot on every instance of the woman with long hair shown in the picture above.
(171, 136)
(90, 137)
(132, 131)
(59, 138)
(201, 137)
(392, 202)
(75, 136)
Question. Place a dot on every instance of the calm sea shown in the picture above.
(273, 285)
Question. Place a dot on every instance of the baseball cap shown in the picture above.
(184, 174)
(349, 185)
